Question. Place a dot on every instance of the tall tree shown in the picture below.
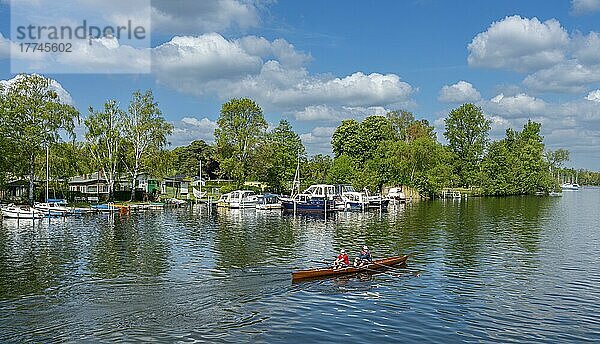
(145, 131)
(36, 117)
(188, 159)
(105, 140)
(284, 146)
(241, 127)
(347, 139)
(467, 133)
(400, 120)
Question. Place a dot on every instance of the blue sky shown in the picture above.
(318, 62)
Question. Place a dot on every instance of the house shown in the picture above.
(176, 186)
(93, 187)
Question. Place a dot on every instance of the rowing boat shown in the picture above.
(326, 272)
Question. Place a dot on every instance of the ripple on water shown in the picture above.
(518, 269)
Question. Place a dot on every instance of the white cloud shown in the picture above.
(594, 96)
(203, 16)
(521, 105)
(581, 7)
(586, 49)
(189, 129)
(557, 62)
(461, 92)
(570, 76)
(318, 140)
(326, 113)
(271, 72)
(519, 44)
(63, 95)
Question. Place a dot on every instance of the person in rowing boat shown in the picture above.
(364, 257)
(342, 260)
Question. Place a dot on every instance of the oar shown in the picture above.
(388, 266)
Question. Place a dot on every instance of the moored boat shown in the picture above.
(24, 212)
(319, 198)
(328, 272)
(223, 201)
(268, 202)
(242, 199)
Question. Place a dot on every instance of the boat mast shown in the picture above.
(47, 171)
(296, 184)
(200, 182)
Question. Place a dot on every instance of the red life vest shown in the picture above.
(344, 257)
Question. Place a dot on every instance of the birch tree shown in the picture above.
(34, 118)
(105, 139)
(145, 132)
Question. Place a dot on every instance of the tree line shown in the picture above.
(395, 148)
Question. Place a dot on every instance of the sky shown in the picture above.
(316, 63)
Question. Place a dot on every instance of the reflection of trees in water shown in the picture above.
(34, 258)
(399, 231)
(130, 245)
(248, 237)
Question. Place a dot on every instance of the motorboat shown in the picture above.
(223, 201)
(242, 199)
(21, 212)
(54, 207)
(570, 186)
(268, 202)
(397, 194)
(318, 198)
(353, 200)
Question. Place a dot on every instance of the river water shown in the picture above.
(515, 269)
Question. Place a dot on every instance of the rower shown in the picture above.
(364, 257)
(342, 260)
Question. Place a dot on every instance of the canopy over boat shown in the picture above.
(326, 272)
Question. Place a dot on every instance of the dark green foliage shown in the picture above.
(466, 131)
(33, 116)
(242, 128)
(516, 164)
(187, 160)
(279, 157)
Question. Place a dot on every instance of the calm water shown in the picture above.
(522, 269)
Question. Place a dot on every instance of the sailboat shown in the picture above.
(319, 198)
(198, 194)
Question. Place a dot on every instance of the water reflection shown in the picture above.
(496, 269)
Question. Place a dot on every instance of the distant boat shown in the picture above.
(223, 201)
(318, 198)
(105, 208)
(397, 194)
(268, 202)
(24, 212)
(570, 186)
(353, 200)
(242, 199)
(54, 207)
(554, 194)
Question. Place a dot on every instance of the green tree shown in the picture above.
(373, 131)
(342, 171)
(35, 116)
(315, 170)
(241, 127)
(516, 165)
(466, 132)
(281, 157)
(347, 139)
(145, 132)
(188, 159)
(105, 141)
(400, 120)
